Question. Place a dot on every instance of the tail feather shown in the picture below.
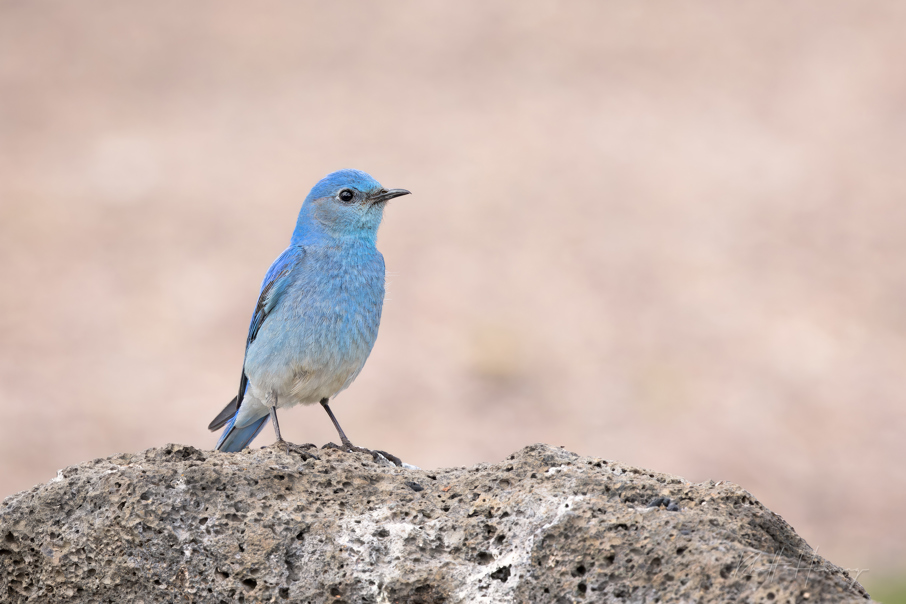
(236, 439)
(226, 415)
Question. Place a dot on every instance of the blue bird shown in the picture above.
(318, 312)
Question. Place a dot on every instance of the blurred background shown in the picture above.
(668, 233)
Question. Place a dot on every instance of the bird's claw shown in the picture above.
(376, 454)
(390, 457)
(301, 450)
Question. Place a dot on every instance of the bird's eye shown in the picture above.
(346, 195)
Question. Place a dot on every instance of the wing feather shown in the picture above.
(275, 283)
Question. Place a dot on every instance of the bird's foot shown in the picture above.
(377, 455)
(300, 450)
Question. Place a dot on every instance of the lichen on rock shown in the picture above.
(177, 524)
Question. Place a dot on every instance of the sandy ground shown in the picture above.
(672, 234)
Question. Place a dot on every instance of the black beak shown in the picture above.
(385, 195)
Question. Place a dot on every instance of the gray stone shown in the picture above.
(177, 524)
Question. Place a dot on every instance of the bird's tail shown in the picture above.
(236, 439)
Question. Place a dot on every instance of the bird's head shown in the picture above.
(344, 204)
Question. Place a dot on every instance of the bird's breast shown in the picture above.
(319, 335)
(337, 306)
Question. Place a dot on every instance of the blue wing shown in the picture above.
(275, 282)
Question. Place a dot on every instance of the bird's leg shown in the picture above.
(336, 424)
(277, 428)
(347, 444)
(288, 445)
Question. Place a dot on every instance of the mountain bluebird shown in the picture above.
(318, 311)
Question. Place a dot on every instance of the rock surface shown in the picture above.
(177, 524)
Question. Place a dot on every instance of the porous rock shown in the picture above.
(177, 524)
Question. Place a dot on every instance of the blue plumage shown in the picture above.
(236, 439)
(319, 309)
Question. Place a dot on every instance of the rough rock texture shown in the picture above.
(181, 525)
